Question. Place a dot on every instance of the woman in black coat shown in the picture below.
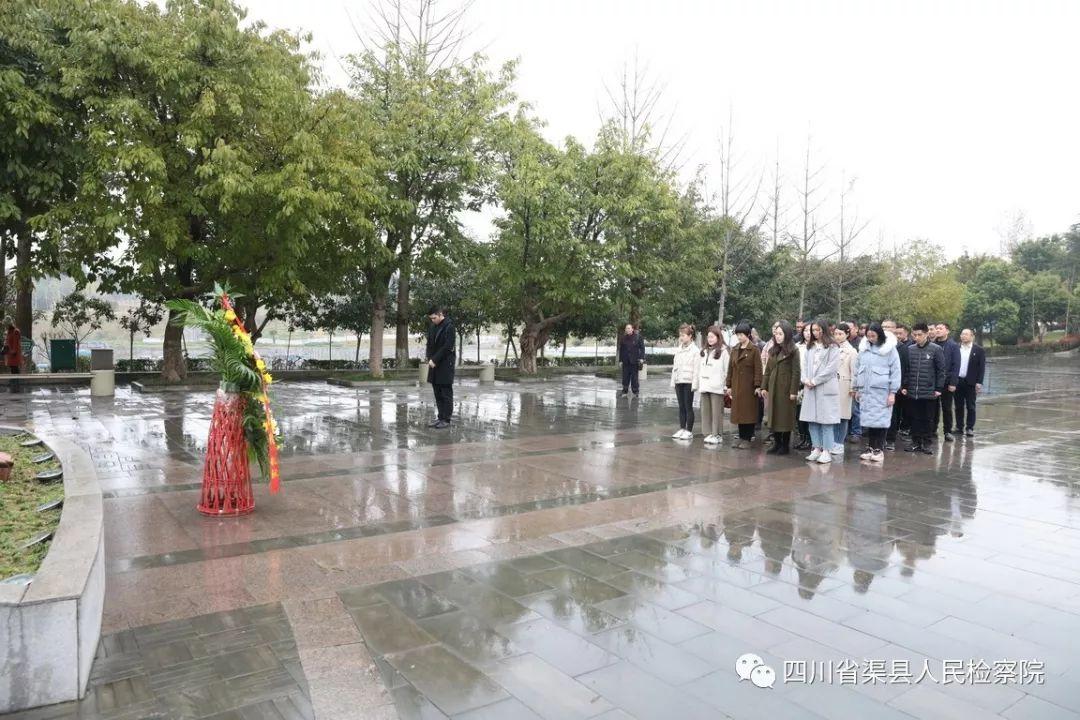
(441, 359)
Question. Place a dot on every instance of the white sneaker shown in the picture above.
(825, 458)
(877, 456)
(710, 439)
(678, 434)
(866, 455)
(814, 455)
(837, 450)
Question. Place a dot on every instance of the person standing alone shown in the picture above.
(969, 383)
(12, 347)
(441, 359)
(631, 356)
(922, 388)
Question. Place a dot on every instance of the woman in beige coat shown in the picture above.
(845, 373)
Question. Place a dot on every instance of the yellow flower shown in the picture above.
(230, 316)
(267, 379)
(260, 364)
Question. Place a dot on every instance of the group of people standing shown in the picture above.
(827, 382)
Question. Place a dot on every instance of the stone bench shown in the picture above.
(51, 627)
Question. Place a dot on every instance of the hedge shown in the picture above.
(1061, 345)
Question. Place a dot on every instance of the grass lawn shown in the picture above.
(19, 498)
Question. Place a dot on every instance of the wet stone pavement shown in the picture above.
(556, 555)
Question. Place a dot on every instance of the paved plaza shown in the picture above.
(556, 555)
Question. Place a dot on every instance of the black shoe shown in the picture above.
(774, 450)
(623, 394)
(890, 446)
(948, 437)
(926, 450)
(969, 433)
(905, 432)
(914, 447)
(441, 424)
(434, 423)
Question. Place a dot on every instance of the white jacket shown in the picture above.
(845, 372)
(712, 372)
(684, 368)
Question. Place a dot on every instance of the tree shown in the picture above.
(1044, 299)
(850, 229)
(78, 316)
(548, 258)
(810, 202)
(140, 319)
(434, 111)
(991, 302)
(199, 140)
(454, 279)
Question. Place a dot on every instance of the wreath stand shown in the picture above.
(226, 486)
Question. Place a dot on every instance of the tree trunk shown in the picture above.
(802, 296)
(477, 346)
(131, 346)
(377, 288)
(723, 301)
(24, 308)
(288, 348)
(3, 272)
(534, 336)
(330, 350)
(359, 336)
(460, 348)
(173, 367)
(401, 340)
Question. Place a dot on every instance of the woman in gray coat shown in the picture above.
(821, 388)
(876, 382)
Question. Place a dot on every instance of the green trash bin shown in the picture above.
(62, 355)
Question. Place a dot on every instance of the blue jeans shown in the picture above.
(821, 436)
(841, 431)
(856, 426)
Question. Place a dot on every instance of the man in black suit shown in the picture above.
(970, 383)
(951, 350)
(441, 359)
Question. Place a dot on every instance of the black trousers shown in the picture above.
(444, 400)
(876, 436)
(964, 398)
(921, 416)
(898, 418)
(943, 412)
(685, 393)
(630, 377)
(746, 431)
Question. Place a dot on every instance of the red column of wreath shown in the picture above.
(226, 488)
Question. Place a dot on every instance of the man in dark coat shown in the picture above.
(441, 357)
(631, 356)
(969, 383)
(922, 388)
(951, 349)
(899, 417)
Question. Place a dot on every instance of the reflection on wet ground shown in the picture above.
(556, 555)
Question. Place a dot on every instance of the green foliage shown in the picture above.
(78, 316)
(230, 357)
(991, 301)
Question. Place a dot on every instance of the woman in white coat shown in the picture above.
(820, 405)
(845, 373)
(712, 374)
(684, 378)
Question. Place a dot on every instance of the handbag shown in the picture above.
(727, 401)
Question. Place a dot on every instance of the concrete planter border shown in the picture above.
(52, 626)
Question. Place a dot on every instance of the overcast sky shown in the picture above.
(953, 116)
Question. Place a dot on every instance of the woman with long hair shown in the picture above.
(780, 387)
(801, 344)
(684, 378)
(743, 383)
(821, 403)
(712, 379)
(845, 372)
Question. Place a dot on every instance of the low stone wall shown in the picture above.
(49, 629)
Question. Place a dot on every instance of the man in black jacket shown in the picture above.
(922, 389)
(970, 381)
(441, 357)
(951, 349)
(631, 356)
(899, 418)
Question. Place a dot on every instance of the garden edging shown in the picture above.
(52, 626)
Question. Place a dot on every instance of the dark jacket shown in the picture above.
(744, 377)
(631, 348)
(951, 349)
(926, 371)
(976, 369)
(781, 379)
(442, 348)
(902, 349)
